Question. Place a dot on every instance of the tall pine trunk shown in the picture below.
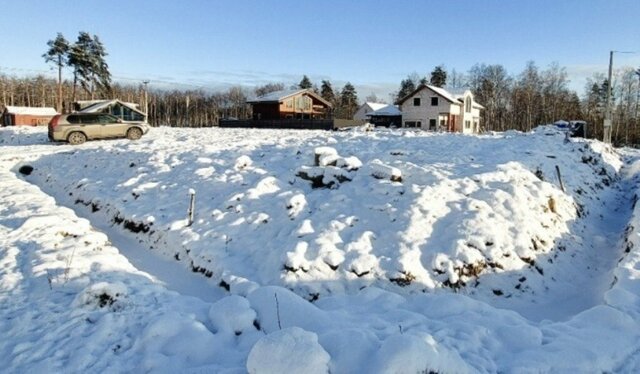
(59, 104)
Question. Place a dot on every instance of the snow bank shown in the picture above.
(625, 293)
(291, 350)
(446, 210)
(400, 273)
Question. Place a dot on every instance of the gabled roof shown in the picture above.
(99, 105)
(437, 90)
(33, 111)
(279, 96)
(386, 110)
(454, 99)
(474, 104)
(375, 106)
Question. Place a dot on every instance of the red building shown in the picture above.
(27, 116)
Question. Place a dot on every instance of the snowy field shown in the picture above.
(345, 252)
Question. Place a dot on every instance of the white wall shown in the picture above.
(473, 116)
(360, 114)
(425, 111)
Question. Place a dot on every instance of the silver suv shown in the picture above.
(76, 128)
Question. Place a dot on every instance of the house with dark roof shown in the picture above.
(27, 116)
(386, 115)
(291, 104)
(128, 112)
(436, 109)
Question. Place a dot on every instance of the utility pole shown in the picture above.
(146, 101)
(608, 107)
(607, 111)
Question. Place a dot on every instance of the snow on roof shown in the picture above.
(26, 110)
(375, 106)
(277, 96)
(386, 110)
(444, 93)
(98, 105)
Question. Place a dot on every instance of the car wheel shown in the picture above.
(76, 138)
(134, 133)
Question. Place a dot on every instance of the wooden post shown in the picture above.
(560, 178)
(192, 206)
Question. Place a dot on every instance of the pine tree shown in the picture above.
(57, 54)
(305, 83)
(101, 75)
(406, 87)
(90, 69)
(348, 101)
(438, 76)
(79, 61)
(326, 91)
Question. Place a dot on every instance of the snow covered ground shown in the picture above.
(356, 251)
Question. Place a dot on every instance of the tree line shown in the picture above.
(512, 101)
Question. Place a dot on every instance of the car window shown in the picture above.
(105, 118)
(89, 118)
(130, 115)
(73, 119)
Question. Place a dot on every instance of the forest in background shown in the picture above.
(518, 101)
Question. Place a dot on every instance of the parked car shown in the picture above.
(76, 128)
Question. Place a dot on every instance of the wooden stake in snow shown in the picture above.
(192, 207)
(560, 178)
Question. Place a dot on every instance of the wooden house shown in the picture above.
(128, 112)
(27, 116)
(435, 109)
(292, 104)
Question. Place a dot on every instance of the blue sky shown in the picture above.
(373, 44)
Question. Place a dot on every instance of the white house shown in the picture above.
(366, 108)
(435, 109)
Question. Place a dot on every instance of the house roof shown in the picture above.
(454, 99)
(386, 110)
(278, 96)
(460, 98)
(437, 90)
(375, 106)
(98, 105)
(26, 110)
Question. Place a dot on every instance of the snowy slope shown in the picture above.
(389, 233)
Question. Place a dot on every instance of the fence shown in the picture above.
(303, 124)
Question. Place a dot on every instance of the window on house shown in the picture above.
(467, 105)
(434, 101)
(467, 124)
(432, 124)
(289, 103)
(416, 101)
(412, 124)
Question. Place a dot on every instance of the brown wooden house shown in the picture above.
(293, 104)
(27, 116)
